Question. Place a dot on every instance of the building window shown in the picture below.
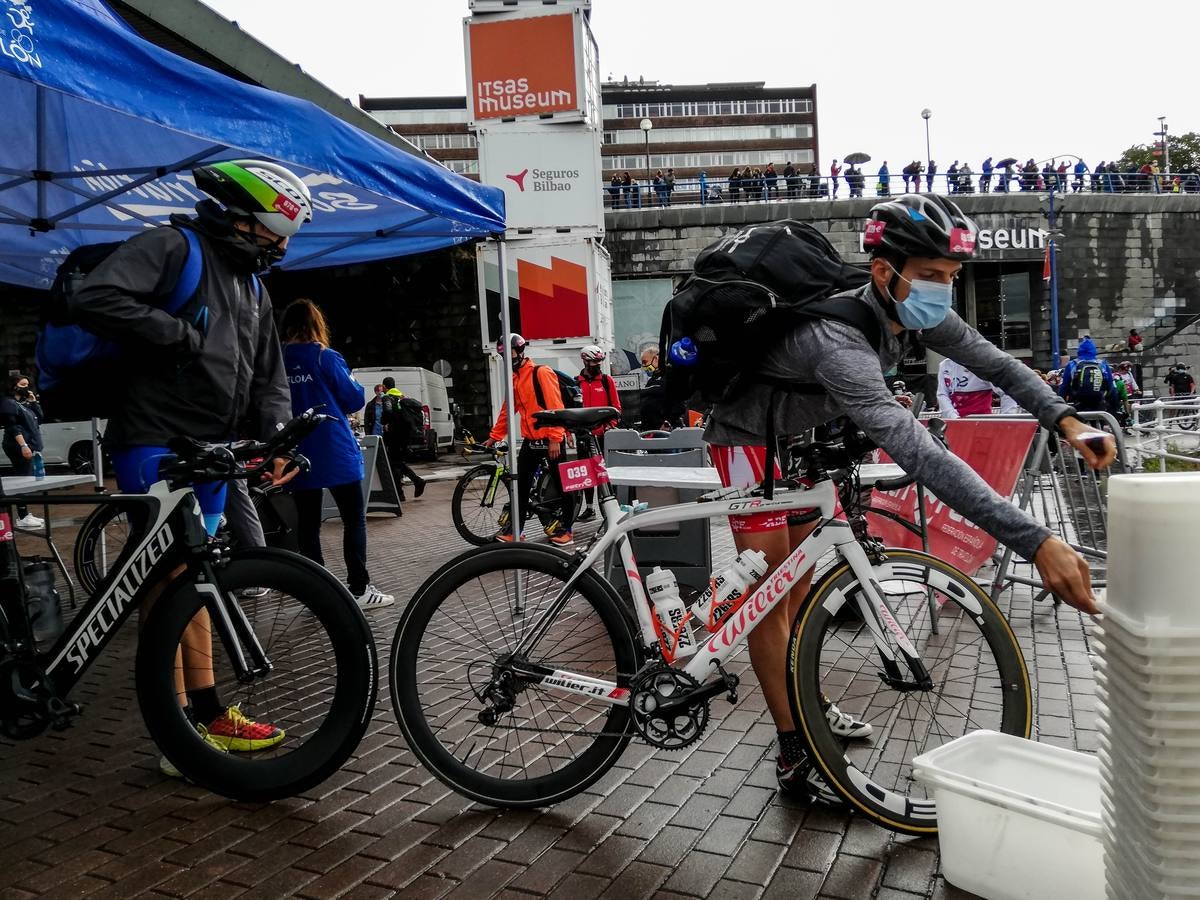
(710, 133)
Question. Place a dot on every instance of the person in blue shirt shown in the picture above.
(1080, 170)
(320, 379)
(985, 181)
(883, 188)
(1087, 381)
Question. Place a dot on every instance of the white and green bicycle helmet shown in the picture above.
(273, 195)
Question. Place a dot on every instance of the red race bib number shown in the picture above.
(581, 474)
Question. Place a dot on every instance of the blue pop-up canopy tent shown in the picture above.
(101, 129)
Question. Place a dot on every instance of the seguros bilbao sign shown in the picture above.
(550, 178)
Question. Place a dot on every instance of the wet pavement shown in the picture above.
(86, 812)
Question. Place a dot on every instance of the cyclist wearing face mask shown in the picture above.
(219, 362)
(917, 246)
(537, 444)
(598, 389)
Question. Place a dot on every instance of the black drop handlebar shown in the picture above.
(196, 460)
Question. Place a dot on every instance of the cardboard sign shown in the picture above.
(581, 474)
(996, 451)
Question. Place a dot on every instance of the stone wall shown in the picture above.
(1125, 261)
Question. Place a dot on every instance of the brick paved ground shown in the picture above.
(86, 812)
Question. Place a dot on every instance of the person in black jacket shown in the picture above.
(20, 417)
(657, 414)
(215, 380)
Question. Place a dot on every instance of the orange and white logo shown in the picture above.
(523, 67)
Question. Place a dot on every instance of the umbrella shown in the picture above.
(1007, 161)
(856, 158)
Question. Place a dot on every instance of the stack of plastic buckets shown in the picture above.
(1148, 686)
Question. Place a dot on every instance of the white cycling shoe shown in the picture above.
(373, 598)
(845, 726)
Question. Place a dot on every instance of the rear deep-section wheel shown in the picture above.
(977, 679)
(104, 534)
(320, 691)
(479, 507)
(500, 728)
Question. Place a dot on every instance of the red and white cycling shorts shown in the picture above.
(744, 466)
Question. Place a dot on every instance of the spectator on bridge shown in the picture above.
(964, 184)
(669, 181)
(814, 183)
(985, 179)
(1029, 175)
(790, 180)
(735, 184)
(627, 188)
(660, 187)
(1134, 341)
(952, 178)
(770, 182)
(907, 174)
(854, 181)
(834, 171)
(1080, 170)
(614, 190)
(1049, 178)
(1062, 176)
(883, 186)
(930, 175)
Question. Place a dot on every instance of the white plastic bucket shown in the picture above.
(1112, 653)
(1153, 566)
(1017, 820)
(1152, 630)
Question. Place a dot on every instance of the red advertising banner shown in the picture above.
(996, 450)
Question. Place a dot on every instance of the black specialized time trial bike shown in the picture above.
(284, 638)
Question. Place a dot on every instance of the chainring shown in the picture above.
(655, 686)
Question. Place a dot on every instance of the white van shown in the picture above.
(427, 388)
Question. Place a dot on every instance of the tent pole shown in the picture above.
(506, 358)
(41, 152)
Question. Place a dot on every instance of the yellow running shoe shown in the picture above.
(234, 732)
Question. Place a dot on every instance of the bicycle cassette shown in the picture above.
(652, 690)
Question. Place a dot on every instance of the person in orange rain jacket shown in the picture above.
(538, 444)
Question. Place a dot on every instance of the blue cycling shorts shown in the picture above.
(136, 469)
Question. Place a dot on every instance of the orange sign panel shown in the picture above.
(523, 67)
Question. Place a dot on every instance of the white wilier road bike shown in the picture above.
(519, 675)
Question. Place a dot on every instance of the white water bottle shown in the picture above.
(730, 586)
(671, 611)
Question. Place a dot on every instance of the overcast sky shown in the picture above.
(1001, 78)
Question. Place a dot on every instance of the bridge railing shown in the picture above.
(781, 188)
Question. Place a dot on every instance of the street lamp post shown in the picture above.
(1166, 146)
(646, 125)
(925, 114)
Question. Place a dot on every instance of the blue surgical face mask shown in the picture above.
(927, 304)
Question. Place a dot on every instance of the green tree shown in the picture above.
(1185, 153)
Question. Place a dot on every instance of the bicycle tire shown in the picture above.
(101, 540)
(479, 528)
(999, 698)
(424, 711)
(324, 711)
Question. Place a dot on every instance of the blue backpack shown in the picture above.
(72, 361)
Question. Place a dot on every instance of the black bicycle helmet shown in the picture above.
(925, 225)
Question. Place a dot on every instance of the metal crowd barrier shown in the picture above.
(1059, 490)
(1164, 427)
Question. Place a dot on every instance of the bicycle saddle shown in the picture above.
(575, 418)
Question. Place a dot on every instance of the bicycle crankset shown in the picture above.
(28, 705)
(658, 717)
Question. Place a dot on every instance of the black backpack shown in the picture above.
(568, 387)
(1090, 385)
(745, 292)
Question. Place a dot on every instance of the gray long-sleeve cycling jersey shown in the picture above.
(840, 359)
